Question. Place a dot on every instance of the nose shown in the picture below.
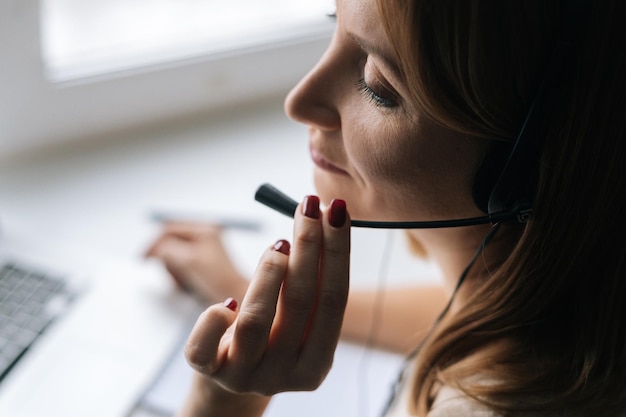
(314, 100)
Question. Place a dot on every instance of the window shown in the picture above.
(73, 69)
(89, 37)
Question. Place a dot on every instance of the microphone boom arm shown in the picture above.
(275, 199)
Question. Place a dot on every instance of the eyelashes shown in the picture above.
(373, 96)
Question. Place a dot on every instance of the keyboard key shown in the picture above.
(29, 301)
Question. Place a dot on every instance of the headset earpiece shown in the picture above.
(488, 173)
(513, 189)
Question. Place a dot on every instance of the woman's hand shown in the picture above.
(283, 336)
(197, 260)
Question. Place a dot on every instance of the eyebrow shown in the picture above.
(372, 49)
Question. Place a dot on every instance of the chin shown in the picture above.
(327, 189)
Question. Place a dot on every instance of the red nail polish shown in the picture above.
(311, 207)
(282, 246)
(337, 216)
(231, 304)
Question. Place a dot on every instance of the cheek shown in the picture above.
(408, 170)
(387, 156)
(389, 164)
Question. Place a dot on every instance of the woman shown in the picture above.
(413, 105)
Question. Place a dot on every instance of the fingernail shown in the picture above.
(282, 246)
(337, 215)
(311, 207)
(231, 304)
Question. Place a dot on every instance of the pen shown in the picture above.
(190, 217)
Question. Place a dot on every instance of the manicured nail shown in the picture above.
(231, 304)
(311, 207)
(337, 216)
(282, 246)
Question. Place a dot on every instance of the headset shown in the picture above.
(509, 195)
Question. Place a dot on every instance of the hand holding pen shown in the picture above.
(195, 257)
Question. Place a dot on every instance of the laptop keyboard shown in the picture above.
(29, 302)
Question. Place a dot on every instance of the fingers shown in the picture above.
(202, 348)
(333, 287)
(197, 260)
(175, 255)
(302, 339)
(257, 311)
(181, 232)
(288, 325)
(298, 295)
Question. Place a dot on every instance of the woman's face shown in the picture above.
(370, 145)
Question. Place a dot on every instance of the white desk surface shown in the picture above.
(100, 194)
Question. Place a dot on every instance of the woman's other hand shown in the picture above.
(195, 256)
(284, 334)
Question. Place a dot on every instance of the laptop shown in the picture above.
(103, 329)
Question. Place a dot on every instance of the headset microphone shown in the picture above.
(275, 199)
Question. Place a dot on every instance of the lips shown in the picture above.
(323, 163)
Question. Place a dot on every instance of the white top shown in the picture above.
(452, 403)
(449, 403)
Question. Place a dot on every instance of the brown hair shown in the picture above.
(547, 330)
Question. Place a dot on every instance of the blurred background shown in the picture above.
(72, 69)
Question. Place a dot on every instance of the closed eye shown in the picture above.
(376, 98)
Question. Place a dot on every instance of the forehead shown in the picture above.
(361, 14)
(361, 20)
